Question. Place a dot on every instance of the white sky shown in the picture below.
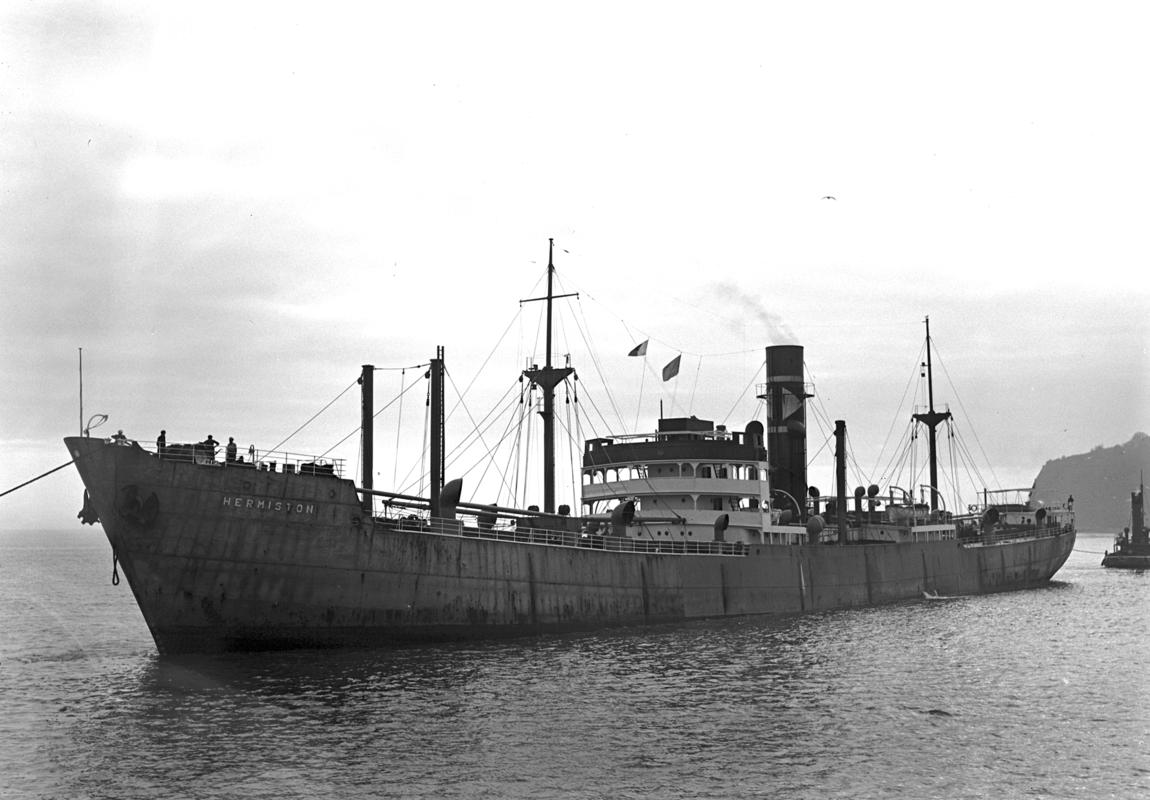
(231, 207)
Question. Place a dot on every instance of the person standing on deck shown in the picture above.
(161, 442)
(230, 450)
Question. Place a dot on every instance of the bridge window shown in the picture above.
(688, 471)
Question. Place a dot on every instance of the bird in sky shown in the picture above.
(828, 197)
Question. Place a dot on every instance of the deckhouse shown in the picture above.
(690, 480)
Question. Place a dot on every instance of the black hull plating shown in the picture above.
(233, 559)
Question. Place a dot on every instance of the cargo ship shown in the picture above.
(1132, 546)
(687, 522)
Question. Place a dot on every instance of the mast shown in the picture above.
(437, 421)
(1138, 532)
(932, 419)
(841, 478)
(365, 383)
(547, 378)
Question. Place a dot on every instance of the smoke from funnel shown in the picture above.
(776, 328)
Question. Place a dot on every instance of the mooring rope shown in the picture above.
(38, 477)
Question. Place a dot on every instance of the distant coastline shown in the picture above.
(1100, 482)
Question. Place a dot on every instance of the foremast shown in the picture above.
(547, 378)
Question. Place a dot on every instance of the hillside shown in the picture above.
(1100, 481)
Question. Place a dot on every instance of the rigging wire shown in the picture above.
(474, 426)
(477, 431)
(312, 419)
(398, 429)
(595, 362)
(639, 402)
(332, 402)
(739, 399)
(488, 459)
(515, 456)
(602, 419)
(426, 444)
(517, 316)
(695, 386)
(664, 343)
(571, 447)
(527, 449)
(965, 413)
(901, 404)
(359, 429)
(578, 437)
(898, 455)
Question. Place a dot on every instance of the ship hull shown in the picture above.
(1123, 561)
(221, 558)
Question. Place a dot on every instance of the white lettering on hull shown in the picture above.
(267, 505)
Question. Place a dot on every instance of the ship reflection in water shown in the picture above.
(1002, 695)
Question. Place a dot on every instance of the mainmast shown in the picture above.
(547, 378)
(932, 419)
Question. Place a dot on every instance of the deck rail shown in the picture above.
(1019, 534)
(262, 460)
(560, 538)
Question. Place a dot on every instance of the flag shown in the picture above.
(672, 368)
(639, 349)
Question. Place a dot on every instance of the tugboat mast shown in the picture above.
(932, 419)
(547, 378)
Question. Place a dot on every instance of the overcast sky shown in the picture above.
(231, 207)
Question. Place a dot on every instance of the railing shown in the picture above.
(1016, 534)
(539, 536)
(260, 460)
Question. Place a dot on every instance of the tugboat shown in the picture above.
(1132, 546)
(691, 521)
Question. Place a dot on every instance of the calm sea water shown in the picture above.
(1040, 694)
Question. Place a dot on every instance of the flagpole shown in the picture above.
(639, 405)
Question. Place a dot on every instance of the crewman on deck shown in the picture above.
(213, 444)
(161, 442)
(119, 437)
(230, 450)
